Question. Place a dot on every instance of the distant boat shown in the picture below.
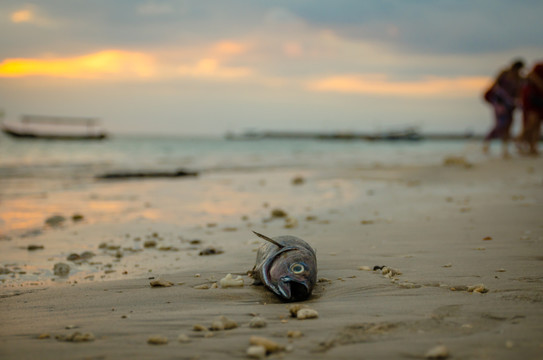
(55, 128)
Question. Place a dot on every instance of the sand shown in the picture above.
(443, 228)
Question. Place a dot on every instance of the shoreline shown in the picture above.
(444, 228)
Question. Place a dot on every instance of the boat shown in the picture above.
(54, 128)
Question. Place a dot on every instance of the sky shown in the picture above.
(208, 67)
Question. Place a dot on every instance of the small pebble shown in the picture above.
(61, 269)
(256, 352)
(307, 314)
(182, 338)
(210, 250)
(44, 336)
(437, 352)
(269, 345)
(157, 340)
(161, 283)
(257, 322)
(293, 309)
(201, 287)
(294, 334)
(34, 247)
(479, 288)
(198, 327)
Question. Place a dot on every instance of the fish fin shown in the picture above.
(269, 239)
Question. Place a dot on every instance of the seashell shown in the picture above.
(307, 314)
(230, 281)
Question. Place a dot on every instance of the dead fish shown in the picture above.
(286, 265)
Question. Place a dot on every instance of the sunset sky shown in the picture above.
(211, 66)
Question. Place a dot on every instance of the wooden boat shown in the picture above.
(55, 128)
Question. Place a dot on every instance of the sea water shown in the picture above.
(80, 161)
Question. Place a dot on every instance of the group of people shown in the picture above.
(512, 90)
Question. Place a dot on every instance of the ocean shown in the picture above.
(78, 162)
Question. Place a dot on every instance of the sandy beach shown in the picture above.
(464, 240)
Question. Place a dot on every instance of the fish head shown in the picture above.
(294, 274)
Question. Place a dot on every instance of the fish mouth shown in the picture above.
(293, 290)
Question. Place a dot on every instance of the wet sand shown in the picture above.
(444, 228)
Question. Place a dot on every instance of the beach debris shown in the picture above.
(479, 288)
(365, 268)
(447, 265)
(44, 336)
(307, 313)
(143, 174)
(367, 222)
(34, 247)
(287, 266)
(487, 238)
(149, 244)
(458, 288)
(290, 223)
(210, 250)
(160, 283)
(387, 271)
(182, 338)
(230, 281)
(256, 352)
(61, 269)
(437, 352)
(223, 323)
(270, 345)
(257, 322)
(55, 220)
(278, 213)
(77, 217)
(230, 229)
(76, 337)
(458, 161)
(298, 180)
(157, 340)
(201, 287)
(294, 334)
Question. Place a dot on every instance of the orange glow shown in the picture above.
(97, 65)
(230, 48)
(212, 68)
(380, 85)
(22, 16)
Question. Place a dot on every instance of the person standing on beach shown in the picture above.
(532, 103)
(504, 95)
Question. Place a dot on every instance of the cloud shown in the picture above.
(154, 8)
(103, 64)
(21, 16)
(212, 68)
(379, 84)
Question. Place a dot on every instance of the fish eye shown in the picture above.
(297, 268)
